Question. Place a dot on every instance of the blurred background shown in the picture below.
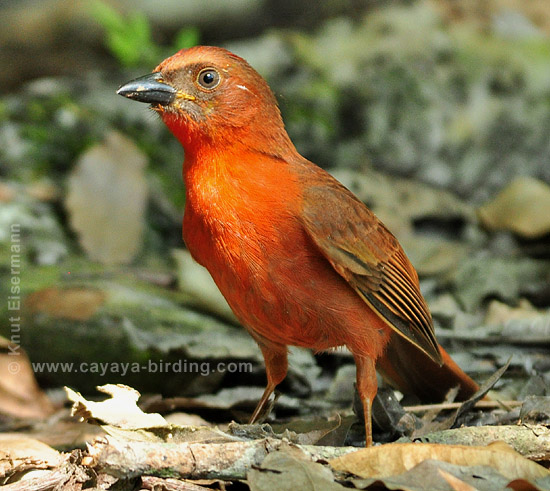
(436, 113)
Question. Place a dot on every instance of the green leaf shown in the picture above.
(105, 15)
(128, 38)
(187, 38)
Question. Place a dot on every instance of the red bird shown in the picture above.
(300, 260)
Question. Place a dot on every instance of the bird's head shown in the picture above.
(209, 96)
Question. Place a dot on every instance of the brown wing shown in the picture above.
(368, 256)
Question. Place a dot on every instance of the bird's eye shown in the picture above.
(208, 78)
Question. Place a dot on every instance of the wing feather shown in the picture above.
(368, 256)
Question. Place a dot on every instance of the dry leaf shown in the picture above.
(523, 485)
(523, 324)
(107, 199)
(396, 458)
(64, 433)
(7, 192)
(43, 191)
(434, 475)
(315, 431)
(19, 453)
(521, 207)
(500, 313)
(20, 395)
(454, 482)
(66, 303)
(122, 418)
(286, 470)
(120, 411)
(434, 255)
(483, 14)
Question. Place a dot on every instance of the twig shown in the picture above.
(188, 460)
(154, 483)
(455, 405)
(68, 476)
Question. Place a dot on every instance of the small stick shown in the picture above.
(455, 405)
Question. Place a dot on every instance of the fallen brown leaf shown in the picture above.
(454, 482)
(120, 410)
(435, 475)
(396, 458)
(20, 395)
(19, 453)
(65, 303)
(291, 470)
(7, 193)
(520, 207)
(107, 199)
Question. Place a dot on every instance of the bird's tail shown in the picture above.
(410, 370)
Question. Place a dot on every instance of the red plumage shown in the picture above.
(300, 260)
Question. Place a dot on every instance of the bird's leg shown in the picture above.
(367, 386)
(262, 403)
(276, 366)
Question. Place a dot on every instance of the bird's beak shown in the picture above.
(149, 89)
